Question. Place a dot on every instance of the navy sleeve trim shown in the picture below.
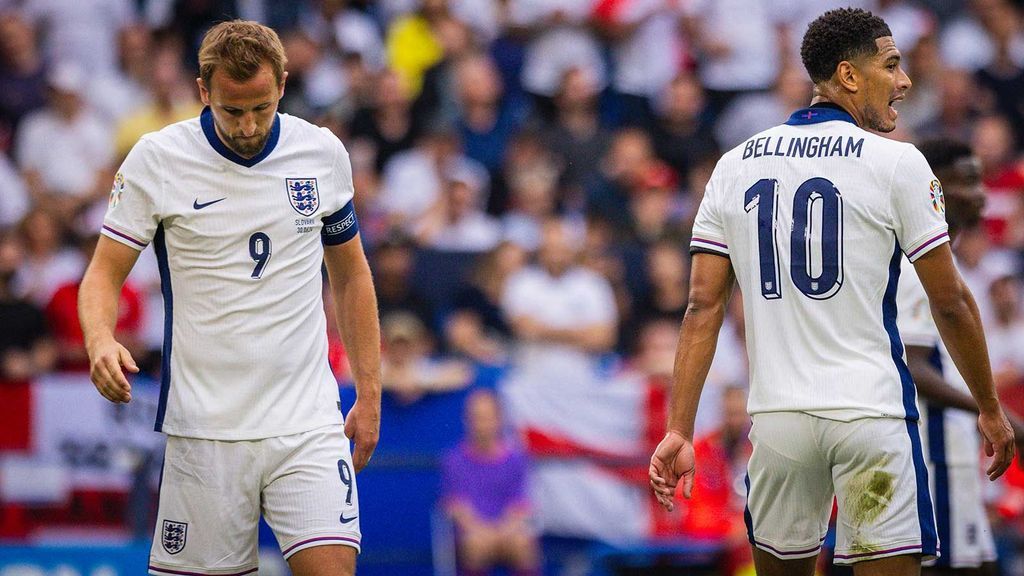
(340, 227)
(701, 250)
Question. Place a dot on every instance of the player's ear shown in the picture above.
(280, 91)
(204, 92)
(847, 76)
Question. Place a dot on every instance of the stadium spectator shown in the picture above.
(392, 263)
(388, 125)
(563, 317)
(973, 40)
(66, 129)
(62, 318)
(438, 101)
(84, 33)
(993, 142)
(457, 222)
(413, 44)
(342, 29)
(171, 99)
(559, 39)
(752, 113)
(26, 348)
(14, 197)
(413, 180)
(656, 208)
(1006, 337)
(576, 135)
(121, 92)
(737, 46)
(22, 74)
(475, 326)
(667, 271)
(484, 492)
(486, 119)
(628, 161)
(532, 181)
(48, 263)
(409, 369)
(647, 52)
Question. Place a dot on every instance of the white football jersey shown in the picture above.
(950, 435)
(239, 245)
(815, 216)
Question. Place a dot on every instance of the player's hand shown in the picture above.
(999, 441)
(672, 460)
(107, 362)
(362, 426)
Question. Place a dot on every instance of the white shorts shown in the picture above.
(964, 529)
(873, 466)
(212, 493)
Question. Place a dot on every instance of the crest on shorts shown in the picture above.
(173, 536)
(303, 195)
(116, 190)
(938, 199)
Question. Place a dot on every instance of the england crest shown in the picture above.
(173, 536)
(303, 195)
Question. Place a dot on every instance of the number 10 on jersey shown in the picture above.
(817, 215)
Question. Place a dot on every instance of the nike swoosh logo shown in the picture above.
(199, 206)
(347, 520)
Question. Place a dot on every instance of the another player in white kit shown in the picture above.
(813, 218)
(243, 207)
(948, 413)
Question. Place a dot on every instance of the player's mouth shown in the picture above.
(892, 108)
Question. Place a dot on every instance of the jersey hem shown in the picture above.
(124, 238)
(835, 414)
(161, 569)
(927, 242)
(237, 435)
(312, 540)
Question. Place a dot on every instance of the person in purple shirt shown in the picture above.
(483, 484)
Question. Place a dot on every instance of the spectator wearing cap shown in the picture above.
(457, 222)
(64, 150)
(655, 207)
(409, 370)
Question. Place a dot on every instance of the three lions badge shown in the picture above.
(303, 195)
(173, 536)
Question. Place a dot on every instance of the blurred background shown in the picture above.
(527, 173)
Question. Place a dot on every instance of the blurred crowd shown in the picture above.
(527, 173)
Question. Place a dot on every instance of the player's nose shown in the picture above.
(249, 125)
(903, 81)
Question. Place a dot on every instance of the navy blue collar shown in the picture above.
(206, 121)
(820, 112)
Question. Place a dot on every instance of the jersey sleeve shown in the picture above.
(708, 230)
(136, 197)
(914, 317)
(919, 210)
(341, 224)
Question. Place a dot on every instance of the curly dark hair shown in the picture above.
(837, 35)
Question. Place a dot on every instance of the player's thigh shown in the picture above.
(767, 564)
(209, 508)
(884, 505)
(905, 565)
(964, 529)
(309, 492)
(789, 487)
(332, 560)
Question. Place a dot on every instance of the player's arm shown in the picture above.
(959, 322)
(98, 297)
(355, 309)
(711, 281)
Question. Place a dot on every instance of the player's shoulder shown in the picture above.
(177, 136)
(303, 132)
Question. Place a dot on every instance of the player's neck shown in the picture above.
(821, 96)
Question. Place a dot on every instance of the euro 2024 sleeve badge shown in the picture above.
(938, 199)
(116, 190)
(173, 536)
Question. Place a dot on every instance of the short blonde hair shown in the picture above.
(240, 47)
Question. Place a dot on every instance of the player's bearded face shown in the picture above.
(243, 111)
(884, 84)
